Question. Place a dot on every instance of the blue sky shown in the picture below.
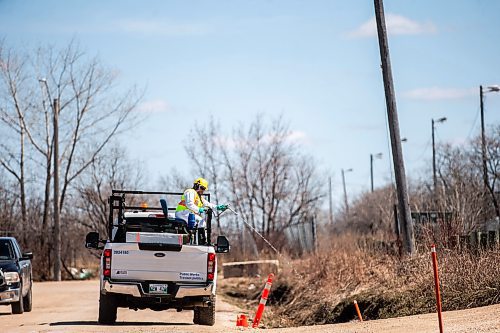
(315, 62)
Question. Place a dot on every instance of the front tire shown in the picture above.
(107, 309)
(18, 307)
(205, 316)
(28, 300)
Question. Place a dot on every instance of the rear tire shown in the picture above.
(28, 300)
(107, 309)
(205, 316)
(196, 316)
(18, 307)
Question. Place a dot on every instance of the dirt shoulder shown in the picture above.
(72, 306)
(477, 320)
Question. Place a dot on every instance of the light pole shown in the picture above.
(440, 120)
(57, 230)
(379, 156)
(345, 191)
(494, 88)
(330, 206)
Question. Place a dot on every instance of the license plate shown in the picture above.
(158, 288)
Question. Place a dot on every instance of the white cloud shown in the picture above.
(396, 25)
(297, 136)
(162, 27)
(293, 136)
(154, 106)
(436, 93)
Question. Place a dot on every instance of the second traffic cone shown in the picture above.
(241, 320)
(238, 320)
(244, 321)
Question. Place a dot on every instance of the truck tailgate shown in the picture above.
(154, 263)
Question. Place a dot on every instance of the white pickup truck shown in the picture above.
(151, 260)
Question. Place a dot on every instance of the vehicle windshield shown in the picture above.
(6, 251)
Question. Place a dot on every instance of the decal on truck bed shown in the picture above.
(190, 276)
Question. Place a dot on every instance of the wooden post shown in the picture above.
(465, 243)
(455, 242)
(483, 240)
(493, 238)
(392, 116)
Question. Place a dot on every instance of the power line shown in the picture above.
(474, 124)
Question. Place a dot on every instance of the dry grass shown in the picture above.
(320, 289)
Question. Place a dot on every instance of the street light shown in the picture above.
(345, 191)
(57, 230)
(440, 120)
(493, 88)
(379, 156)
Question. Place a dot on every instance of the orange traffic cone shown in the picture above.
(244, 321)
(238, 320)
(241, 320)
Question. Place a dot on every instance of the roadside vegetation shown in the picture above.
(320, 288)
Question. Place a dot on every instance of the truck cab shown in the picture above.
(15, 276)
(151, 260)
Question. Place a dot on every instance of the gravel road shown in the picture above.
(71, 306)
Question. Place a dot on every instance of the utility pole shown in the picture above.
(434, 179)
(345, 191)
(404, 208)
(487, 187)
(371, 171)
(330, 200)
(434, 176)
(379, 155)
(57, 231)
(483, 140)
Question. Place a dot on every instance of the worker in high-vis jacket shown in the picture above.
(192, 201)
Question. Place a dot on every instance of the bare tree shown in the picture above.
(112, 170)
(262, 172)
(493, 166)
(461, 187)
(92, 111)
(13, 102)
(462, 203)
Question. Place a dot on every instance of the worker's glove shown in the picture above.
(221, 207)
(201, 210)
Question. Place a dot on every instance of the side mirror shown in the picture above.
(27, 256)
(222, 245)
(92, 240)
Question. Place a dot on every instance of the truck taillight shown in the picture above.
(106, 265)
(211, 266)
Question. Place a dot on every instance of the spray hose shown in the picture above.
(263, 238)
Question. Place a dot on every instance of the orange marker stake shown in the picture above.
(436, 286)
(357, 310)
(263, 300)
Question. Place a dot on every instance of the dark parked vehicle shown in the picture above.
(15, 276)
